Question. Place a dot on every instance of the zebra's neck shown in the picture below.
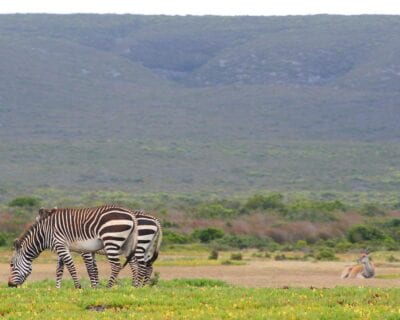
(36, 240)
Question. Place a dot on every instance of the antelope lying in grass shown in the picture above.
(363, 269)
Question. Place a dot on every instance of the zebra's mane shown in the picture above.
(24, 234)
(44, 213)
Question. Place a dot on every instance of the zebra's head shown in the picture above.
(21, 267)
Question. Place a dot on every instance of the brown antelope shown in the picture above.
(363, 269)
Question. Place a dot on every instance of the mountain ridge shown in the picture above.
(225, 104)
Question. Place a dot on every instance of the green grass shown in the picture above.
(196, 299)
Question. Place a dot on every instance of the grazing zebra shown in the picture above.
(111, 228)
(141, 264)
(363, 269)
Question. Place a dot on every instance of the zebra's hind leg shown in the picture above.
(65, 255)
(113, 259)
(91, 267)
(147, 274)
(59, 272)
(137, 273)
(115, 269)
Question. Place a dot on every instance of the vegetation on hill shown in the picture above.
(318, 227)
(199, 104)
(199, 118)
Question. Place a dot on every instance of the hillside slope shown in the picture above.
(213, 104)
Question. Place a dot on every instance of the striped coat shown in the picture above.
(110, 228)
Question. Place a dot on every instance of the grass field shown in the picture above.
(192, 288)
(196, 299)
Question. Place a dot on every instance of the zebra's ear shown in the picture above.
(42, 212)
(17, 244)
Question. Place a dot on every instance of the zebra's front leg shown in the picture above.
(59, 272)
(65, 255)
(91, 267)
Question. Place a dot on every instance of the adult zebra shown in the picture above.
(141, 263)
(111, 228)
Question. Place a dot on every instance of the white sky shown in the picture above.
(202, 7)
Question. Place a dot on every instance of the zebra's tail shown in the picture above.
(128, 258)
(151, 253)
(131, 243)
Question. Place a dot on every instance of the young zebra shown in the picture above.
(111, 228)
(141, 264)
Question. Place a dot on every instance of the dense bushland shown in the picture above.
(267, 221)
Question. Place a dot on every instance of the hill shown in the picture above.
(214, 104)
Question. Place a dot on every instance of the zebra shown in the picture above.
(141, 264)
(111, 228)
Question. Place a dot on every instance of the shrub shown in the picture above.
(301, 244)
(273, 201)
(312, 210)
(154, 279)
(246, 241)
(343, 246)
(236, 256)
(208, 234)
(327, 254)
(213, 255)
(170, 237)
(393, 223)
(371, 210)
(3, 240)
(214, 210)
(24, 202)
(361, 233)
(392, 258)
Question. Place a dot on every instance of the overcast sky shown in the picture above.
(202, 7)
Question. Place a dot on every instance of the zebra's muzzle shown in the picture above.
(12, 284)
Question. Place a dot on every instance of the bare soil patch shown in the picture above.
(276, 274)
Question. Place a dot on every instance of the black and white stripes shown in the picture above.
(141, 263)
(110, 228)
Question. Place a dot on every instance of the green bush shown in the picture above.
(273, 201)
(327, 254)
(393, 223)
(301, 244)
(208, 234)
(245, 241)
(170, 237)
(360, 233)
(3, 240)
(154, 279)
(371, 210)
(213, 255)
(24, 202)
(314, 210)
(343, 246)
(236, 256)
(215, 210)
